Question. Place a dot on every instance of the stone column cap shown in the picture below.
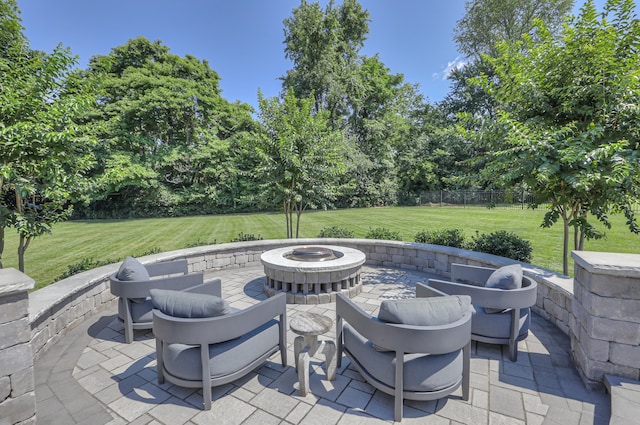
(609, 263)
(13, 281)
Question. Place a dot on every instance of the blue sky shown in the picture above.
(242, 39)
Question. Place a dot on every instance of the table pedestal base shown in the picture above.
(305, 347)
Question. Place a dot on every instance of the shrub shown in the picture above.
(335, 232)
(244, 237)
(504, 244)
(382, 233)
(199, 243)
(90, 263)
(446, 237)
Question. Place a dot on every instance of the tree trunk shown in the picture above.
(1, 245)
(21, 249)
(565, 246)
(298, 214)
(287, 217)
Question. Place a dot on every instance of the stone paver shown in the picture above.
(108, 382)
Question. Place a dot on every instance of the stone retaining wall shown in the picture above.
(59, 307)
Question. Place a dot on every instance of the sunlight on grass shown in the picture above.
(49, 256)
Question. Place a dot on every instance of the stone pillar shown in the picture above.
(605, 327)
(17, 397)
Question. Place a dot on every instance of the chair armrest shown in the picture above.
(140, 289)
(210, 287)
(167, 268)
(472, 274)
(424, 291)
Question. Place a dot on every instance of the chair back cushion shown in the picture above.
(433, 311)
(507, 277)
(188, 305)
(132, 269)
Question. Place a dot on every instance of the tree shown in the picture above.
(44, 153)
(324, 48)
(569, 121)
(488, 22)
(300, 158)
(165, 133)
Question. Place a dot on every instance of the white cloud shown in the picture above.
(457, 63)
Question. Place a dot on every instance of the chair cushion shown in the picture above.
(422, 372)
(498, 325)
(507, 277)
(183, 361)
(188, 305)
(132, 269)
(433, 311)
(140, 311)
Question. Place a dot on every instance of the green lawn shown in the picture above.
(49, 256)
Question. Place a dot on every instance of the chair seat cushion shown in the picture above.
(422, 372)
(140, 311)
(183, 361)
(498, 325)
(433, 311)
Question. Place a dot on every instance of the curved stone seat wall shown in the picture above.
(59, 307)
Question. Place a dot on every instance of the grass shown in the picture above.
(49, 255)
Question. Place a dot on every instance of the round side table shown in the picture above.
(309, 326)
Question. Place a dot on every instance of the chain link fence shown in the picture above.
(487, 198)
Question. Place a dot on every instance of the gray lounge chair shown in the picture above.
(211, 351)
(502, 316)
(134, 304)
(406, 361)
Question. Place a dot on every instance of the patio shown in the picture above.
(91, 377)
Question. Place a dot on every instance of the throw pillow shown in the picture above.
(188, 305)
(132, 269)
(507, 277)
(433, 311)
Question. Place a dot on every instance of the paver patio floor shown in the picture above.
(92, 377)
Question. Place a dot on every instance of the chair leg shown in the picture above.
(339, 341)
(159, 361)
(399, 386)
(206, 376)
(466, 371)
(513, 337)
(127, 321)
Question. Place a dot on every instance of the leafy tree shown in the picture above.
(359, 93)
(569, 120)
(166, 133)
(469, 108)
(324, 48)
(300, 159)
(44, 154)
(488, 22)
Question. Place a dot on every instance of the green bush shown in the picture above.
(335, 232)
(199, 242)
(382, 233)
(245, 237)
(504, 244)
(90, 263)
(445, 237)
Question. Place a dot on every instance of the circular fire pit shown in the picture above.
(312, 274)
